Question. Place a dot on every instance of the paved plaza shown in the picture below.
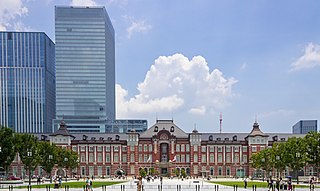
(167, 185)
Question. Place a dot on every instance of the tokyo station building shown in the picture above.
(164, 147)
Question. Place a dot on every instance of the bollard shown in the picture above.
(196, 187)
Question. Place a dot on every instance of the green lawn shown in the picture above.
(79, 184)
(240, 184)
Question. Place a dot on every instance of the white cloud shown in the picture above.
(175, 83)
(83, 3)
(310, 59)
(10, 13)
(136, 26)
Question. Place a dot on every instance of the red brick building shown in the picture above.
(164, 147)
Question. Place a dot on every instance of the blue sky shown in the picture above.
(191, 60)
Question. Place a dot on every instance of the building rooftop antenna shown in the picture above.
(220, 122)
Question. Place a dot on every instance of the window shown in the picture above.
(116, 157)
(182, 147)
(91, 170)
(177, 148)
(145, 149)
(187, 148)
(99, 157)
(131, 148)
(108, 171)
(253, 140)
(140, 148)
(219, 170)
(83, 148)
(219, 157)
(150, 147)
(132, 169)
(108, 148)
(195, 169)
(145, 158)
(203, 158)
(178, 158)
(244, 148)
(262, 148)
(99, 148)
(140, 157)
(91, 158)
(74, 148)
(203, 149)
(99, 170)
(131, 157)
(187, 158)
(83, 171)
(211, 157)
(219, 149)
(245, 159)
(91, 148)
(124, 148)
(108, 157)
(195, 148)
(236, 158)
(124, 158)
(212, 171)
(228, 149)
(83, 157)
(195, 158)
(236, 149)
(254, 149)
(211, 148)
(183, 158)
(228, 158)
(116, 148)
(228, 171)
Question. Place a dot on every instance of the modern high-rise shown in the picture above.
(85, 68)
(27, 81)
(304, 126)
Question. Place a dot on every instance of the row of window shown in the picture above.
(179, 148)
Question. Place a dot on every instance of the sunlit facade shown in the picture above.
(27, 81)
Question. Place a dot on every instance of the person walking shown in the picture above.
(245, 182)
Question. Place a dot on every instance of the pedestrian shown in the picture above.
(87, 184)
(289, 183)
(311, 184)
(278, 184)
(245, 182)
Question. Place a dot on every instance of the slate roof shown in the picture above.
(164, 125)
(62, 130)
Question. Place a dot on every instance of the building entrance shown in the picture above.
(164, 171)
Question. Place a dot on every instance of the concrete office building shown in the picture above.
(85, 68)
(27, 81)
(304, 126)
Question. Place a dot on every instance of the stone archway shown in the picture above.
(60, 172)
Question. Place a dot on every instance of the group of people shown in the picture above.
(89, 184)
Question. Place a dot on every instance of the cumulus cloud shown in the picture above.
(10, 13)
(83, 3)
(310, 59)
(175, 83)
(136, 26)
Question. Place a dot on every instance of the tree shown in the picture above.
(183, 173)
(7, 148)
(277, 154)
(71, 160)
(27, 146)
(262, 160)
(313, 149)
(142, 172)
(295, 154)
(48, 156)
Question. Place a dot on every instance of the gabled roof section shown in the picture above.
(256, 131)
(62, 130)
(167, 125)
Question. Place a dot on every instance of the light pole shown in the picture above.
(66, 160)
(50, 157)
(29, 154)
(298, 156)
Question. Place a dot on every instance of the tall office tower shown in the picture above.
(304, 126)
(85, 68)
(27, 85)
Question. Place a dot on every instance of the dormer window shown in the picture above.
(218, 139)
(275, 138)
(117, 137)
(109, 138)
(234, 138)
(226, 139)
(156, 129)
(93, 138)
(172, 129)
(210, 138)
(101, 138)
(43, 137)
(84, 137)
(283, 139)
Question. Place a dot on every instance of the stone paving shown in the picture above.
(167, 185)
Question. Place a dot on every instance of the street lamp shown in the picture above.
(29, 154)
(298, 156)
(66, 160)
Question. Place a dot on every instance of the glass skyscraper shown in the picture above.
(27, 81)
(85, 68)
